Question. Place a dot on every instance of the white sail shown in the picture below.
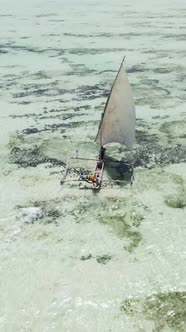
(118, 120)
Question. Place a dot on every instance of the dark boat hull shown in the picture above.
(98, 175)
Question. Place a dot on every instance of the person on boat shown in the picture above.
(91, 177)
(99, 164)
(83, 177)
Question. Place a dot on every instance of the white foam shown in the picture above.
(31, 214)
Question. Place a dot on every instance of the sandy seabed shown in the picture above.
(70, 259)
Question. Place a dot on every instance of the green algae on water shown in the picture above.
(124, 226)
(86, 257)
(53, 213)
(177, 179)
(104, 259)
(15, 140)
(173, 129)
(135, 238)
(131, 306)
(166, 310)
(177, 201)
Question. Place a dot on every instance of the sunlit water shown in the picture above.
(72, 260)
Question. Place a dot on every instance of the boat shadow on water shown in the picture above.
(120, 171)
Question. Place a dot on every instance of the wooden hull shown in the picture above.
(98, 175)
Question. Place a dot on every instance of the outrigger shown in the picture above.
(117, 125)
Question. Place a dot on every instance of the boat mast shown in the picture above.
(102, 149)
(101, 153)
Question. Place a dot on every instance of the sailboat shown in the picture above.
(118, 120)
(117, 125)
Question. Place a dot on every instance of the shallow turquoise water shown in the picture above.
(70, 258)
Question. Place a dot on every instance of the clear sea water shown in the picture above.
(72, 260)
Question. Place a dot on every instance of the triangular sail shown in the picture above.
(118, 119)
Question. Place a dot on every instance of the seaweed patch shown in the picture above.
(31, 156)
(177, 201)
(124, 226)
(166, 310)
(104, 259)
